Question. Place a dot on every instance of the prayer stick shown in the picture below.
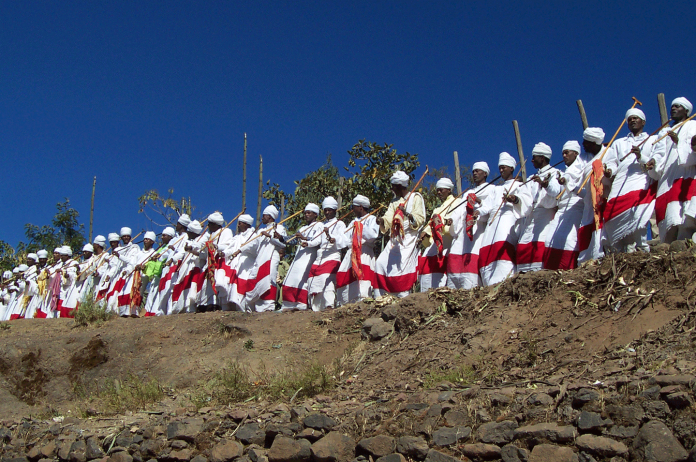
(507, 192)
(673, 128)
(520, 153)
(583, 116)
(365, 217)
(646, 139)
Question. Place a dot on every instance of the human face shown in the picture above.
(56, 256)
(309, 217)
(64, 258)
(126, 239)
(242, 227)
(213, 227)
(678, 112)
(148, 243)
(31, 262)
(443, 193)
(330, 214)
(266, 219)
(539, 161)
(180, 228)
(505, 172)
(114, 244)
(635, 124)
(569, 156)
(359, 211)
(479, 176)
(86, 254)
(591, 147)
(43, 261)
(166, 238)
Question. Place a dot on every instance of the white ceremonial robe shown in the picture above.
(432, 266)
(49, 304)
(631, 201)
(561, 245)
(531, 244)
(191, 274)
(16, 289)
(73, 296)
(396, 268)
(262, 296)
(350, 287)
(163, 301)
(36, 287)
(295, 295)
(497, 255)
(590, 239)
(119, 298)
(238, 272)
(24, 297)
(206, 295)
(463, 257)
(152, 308)
(675, 205)
(321, 283)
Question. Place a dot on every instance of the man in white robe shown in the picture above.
(190, 273)
(675, 206)
(463, 257)
(396, 268)
(175, 249)
(355, 276)
(106, 271)
(238, 266)
(28, 293)
(321, 284)
(128, 256)
(436, 239)
(79, 274)
(211, 297)
(36, 286)
(17, 289)
(295, 294)
(594, 193)
(153, 272)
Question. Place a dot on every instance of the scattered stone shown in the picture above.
(540, 399)
(655, 442)
(178, 444)
(679, 400)
(591, 422)
(601, 446)
(446, 396)
(183, 455)
(286, 449)
(392, 458)
(257, 454)
(499, 399)
(93, 450)
(319, 421)
(511, 453)
(445, 436)
(334, 447)
(199, 458)
(631, 414)
(416, 406)
(550, 452)
(620, 431)
(454, 418)
(497, 432)
(651, 393)
(376, 329)
(664, 380)
(226, 451)
(251, 433)
(238, 415)
(584, 396)
(310, 434)
(120, 457)
(481, 451)
(184, 430)
(656, 409)
(78, 452)
(414, 447)
(547, 431)
(437, 456)
(377, 446)
(677, 246)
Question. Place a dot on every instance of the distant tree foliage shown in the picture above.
(168, 208)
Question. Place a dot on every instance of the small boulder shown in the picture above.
(286, 449)
(481, 451)
(414, 447)
(226, 451)
(446, 436)
(334, 447)
(550, 452)
(377, 446)
(396, 457)
(376, 329)
(437, 456)
(319, 421)
(546, 431)
(511, 453)
(601, 446)
(497, 432)
(655, 442)
(251, 434)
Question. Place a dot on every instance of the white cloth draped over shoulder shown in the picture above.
(353, 287)
(321, 284)
(263, 290)
(432, 267)
(190, 276)
(295, 295)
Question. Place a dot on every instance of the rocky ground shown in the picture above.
(595, 364)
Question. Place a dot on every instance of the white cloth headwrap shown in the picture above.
(683, 102)
(88, 248)
(33, 256)
(194, 227)
(57, 250)
(542, 149)
(481, 166)
(311, 207)
(507, 160)
(169, 231)
(7, 275)
(114, 237)
(150, 235)
(184, 220)
(271, 211)
(15, 270)
(22, 268)
(635, 112)
(126, 231)
(444, 183)
(100, 241)
(246, 218)
(65, 250)
(593, 134)
(361, 201)
(216, 218)
(399, 178)
(572, 145)
(329, 203)
(42, 253)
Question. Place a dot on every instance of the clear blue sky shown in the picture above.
(159, 94)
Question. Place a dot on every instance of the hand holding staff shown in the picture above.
(646, 139)
(365, 217)
(673, 128)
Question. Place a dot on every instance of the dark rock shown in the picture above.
(334, 447)
(184, 430)
(619, 431)
(591, 422)
(183, 455)
(584, 396)
(656, 409)
(455, 418)
(692, 455)
(655, 442)
(416, 406)
(5, 435)
(34, 454)
(15, 459)
(120, 457)
(437, 456)
(585, 457)
(392, 458)
(651, 393)
(499, 399)
(251, 434)
(199, 458)
(511, 453)
(414, 447)
(389, 313)
(319, 421)
(549, 452)
(376, 329)
(377, 446)
(445, 436)
(226, 451)
(310, 434)
(497, 432)
(434, 411)
(93, 451)
(286, 449)
(152, 448)
(78, 452)
(540, 399)
(632, 414)
(178, 444)
(679, 400)
(257, 454)
(601, 446)
(481, 451)
(446, 396)
(546, 431)
(664, 380)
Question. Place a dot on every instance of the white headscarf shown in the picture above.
(184, 220)
(194, 227)
(311, 207)
(169, 231)
(114, 237)
(572, 145)
(593, 135)
(399, 178)
(542, 149)
(683, 102)
(271, 211)
(444, 183)
(150, 235)
(100, 241)
(33, 256)
(246, 218)
(361, 201)
(635, 112)
(216, 218)
(481, 166)
(507, 160)
(88, 248)
(42, 253)
(126, 231)
(329, 203)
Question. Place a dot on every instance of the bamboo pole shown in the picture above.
(258, 203)
(244, 174)
(91, 212)
(339, 199)
(457, 174)
(282, 205)
(520, 153)
(583, 116)
(664, 117)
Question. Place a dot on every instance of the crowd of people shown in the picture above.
(601, 202)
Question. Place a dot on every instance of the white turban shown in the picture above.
(184, 220)
(311, 207)
(42, 253)
(65, 250)
(22, 268)
(271, 211)
(194, 227)
(361, 201)
(683, 102)
(572, 145)
(444, 183)
(126, 231)
(593, 135)
(507, 160)
(399, 178)
(57, 250)
(246, 218)
(635, 112)
(329, 203)
(15, 270)
(150, 235)
(7, 275)
(169, 231)
(542, 149)
(113, 237)
(216, 218)
(33, 256)
(100, 240)
(88, 248)
(481, 166)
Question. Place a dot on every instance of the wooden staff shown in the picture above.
(673, 128)
(508, 192)
(476, 192)
(326, 230)
(415, 187)
(587, 178)
(365, 217)
(646, 139)
(226, 226)
(537, 174)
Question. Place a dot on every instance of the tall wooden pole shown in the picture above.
(457, 174)
(258, 203)
(244, 175)
(583, 116)
(91, 212)
(339, 199)
(663, 108)
(282, 205)
(523, 169)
